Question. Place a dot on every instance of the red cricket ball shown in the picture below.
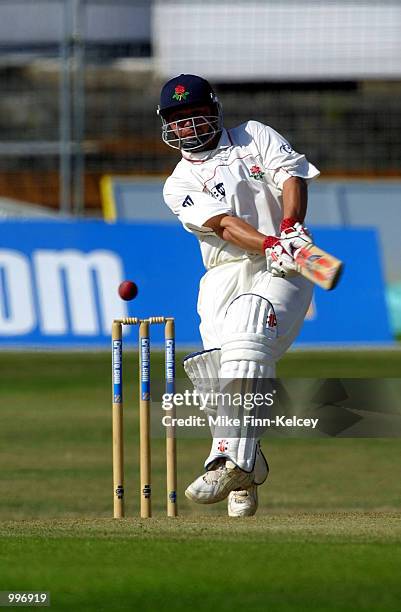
(127, 290)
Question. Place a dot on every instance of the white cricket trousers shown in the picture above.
(290, 299)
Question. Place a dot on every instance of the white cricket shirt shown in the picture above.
(243, 177)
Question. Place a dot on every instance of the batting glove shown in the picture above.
(281, 252)
(279, 261)
(293, 236)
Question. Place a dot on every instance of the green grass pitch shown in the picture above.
(327, 536)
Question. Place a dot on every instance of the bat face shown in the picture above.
(318, 266)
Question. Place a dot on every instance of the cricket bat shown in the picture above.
(318, 266)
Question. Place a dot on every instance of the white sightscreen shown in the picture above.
(265, 40)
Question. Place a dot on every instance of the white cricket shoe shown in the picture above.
(215, 485)
(243, 503)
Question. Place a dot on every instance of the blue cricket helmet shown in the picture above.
(185, 90)
(189, 90)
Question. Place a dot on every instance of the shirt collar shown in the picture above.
(195, 156)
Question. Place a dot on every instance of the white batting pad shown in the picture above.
(249, 334)
(203, 370)
(261, 466)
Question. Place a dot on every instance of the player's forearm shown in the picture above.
(295, 198)
(242, 234)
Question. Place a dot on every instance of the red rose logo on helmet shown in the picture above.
(256, 173)
(180, 93)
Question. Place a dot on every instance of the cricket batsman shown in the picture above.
(243, 193)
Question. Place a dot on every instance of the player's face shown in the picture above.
(182, 121)
(192, 128)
